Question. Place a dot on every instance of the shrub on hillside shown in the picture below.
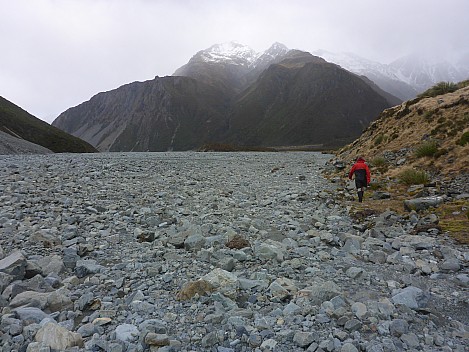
(464, 139)
(378, 161)
(439, 89)
(413, 177)
(429, 148)
(380, 139)
(463, 84)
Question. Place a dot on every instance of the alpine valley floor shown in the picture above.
(215, 252)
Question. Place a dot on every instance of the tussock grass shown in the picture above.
(439, 89)
(454, 219)
(380, 139)
(464, 139)
(413, 177)
(429, 148)
(378, 162)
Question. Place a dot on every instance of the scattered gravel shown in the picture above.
(217, 252)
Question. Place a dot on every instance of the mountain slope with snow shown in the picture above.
(405, 77)
(228, 93)
(229, 53)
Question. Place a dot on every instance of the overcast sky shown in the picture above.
(56, 54)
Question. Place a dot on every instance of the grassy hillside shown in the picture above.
(422, 142)
(429, 133)
(19, 123)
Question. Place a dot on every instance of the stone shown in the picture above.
(320, 277)
(411, 340)
(14, 265)
(127, 332)
(57, 337)
(5, 280)
(87, 330)
(353, 325)
(194, 242)
(269, 345)
(411, 297)
(154, 339)
(398, 327)
(321, 292)
(377, 195)
(354, 272)
(238, 242)
(291, 309)
(223, 281)
(419, 204)
(192, 288)
(304, 339)
(282, 288)
(254, 340)
(30, 315)
(51, 265)
(87, 267)
(271, 250)
(348, 347)
(377, 257)
(209, 339)
(450, 265)
(360, 310)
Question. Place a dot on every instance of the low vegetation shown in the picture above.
(380, 139)
(454, 219)
(406, 145)
(379, 162)
(464, 139)
(426, 149)
(439, 89)
(413, 177)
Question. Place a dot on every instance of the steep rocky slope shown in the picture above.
(161, 114)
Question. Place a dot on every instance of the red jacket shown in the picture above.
(360, 165)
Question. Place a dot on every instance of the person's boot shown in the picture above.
(360, 196)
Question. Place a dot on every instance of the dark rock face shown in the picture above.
(301, 100)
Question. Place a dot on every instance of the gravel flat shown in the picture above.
(215, 252)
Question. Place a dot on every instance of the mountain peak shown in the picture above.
(228, 52)
(239, 54)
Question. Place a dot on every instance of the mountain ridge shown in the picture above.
(203, 103)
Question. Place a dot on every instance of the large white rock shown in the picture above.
(58, 337)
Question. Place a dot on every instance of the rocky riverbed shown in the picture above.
(215, 252)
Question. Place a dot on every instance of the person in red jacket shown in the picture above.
(362, 176)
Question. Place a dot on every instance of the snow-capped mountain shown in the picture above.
(271, 55)
(239, 54)
(230, 52)
(231, 64)
(422, 72)
(405, 77)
